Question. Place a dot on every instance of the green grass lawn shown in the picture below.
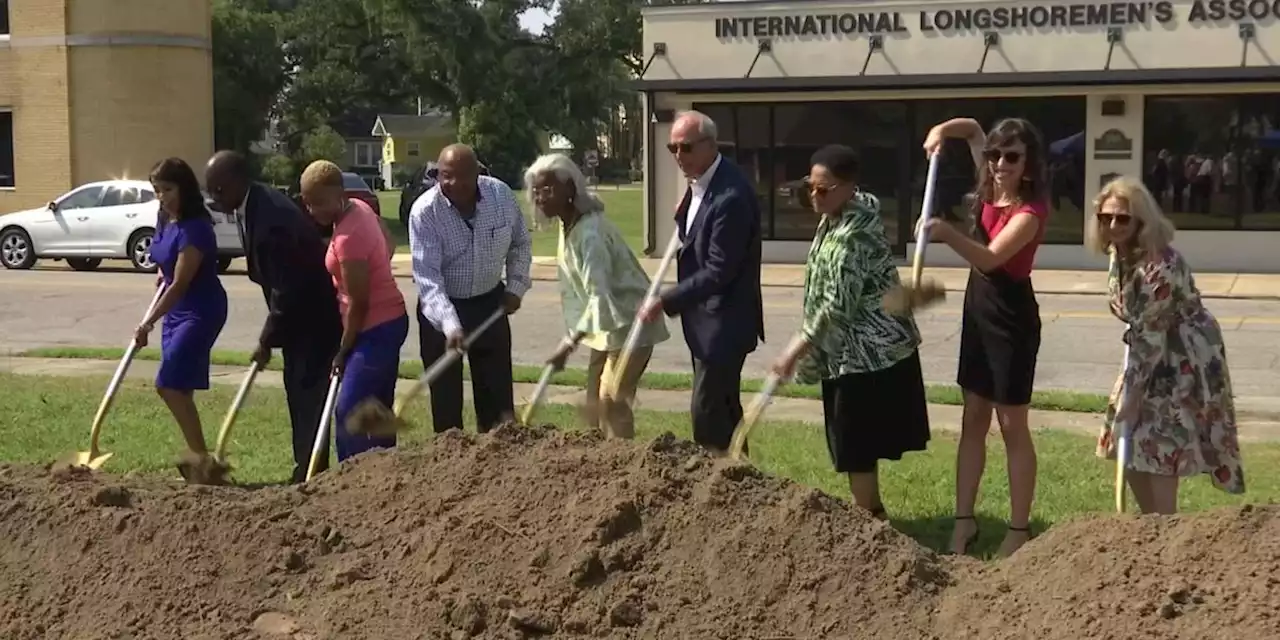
(46, 418)
(572, 377)
(625, 206)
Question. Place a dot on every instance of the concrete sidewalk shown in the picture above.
(1049, 281)
(943, 417)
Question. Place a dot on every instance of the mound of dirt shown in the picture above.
(527, 533)
(520, 533)
(1205, 575)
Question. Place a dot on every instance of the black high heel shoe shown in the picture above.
(973, 537)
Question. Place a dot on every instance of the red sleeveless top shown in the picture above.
(994, 220)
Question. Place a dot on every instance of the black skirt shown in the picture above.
(999, 338)
(878, 415)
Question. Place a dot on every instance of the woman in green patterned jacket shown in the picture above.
(867, 360)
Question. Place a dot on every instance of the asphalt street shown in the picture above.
(1081, 347)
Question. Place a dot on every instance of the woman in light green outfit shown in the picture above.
(601, 287)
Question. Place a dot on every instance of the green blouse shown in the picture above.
(602, 285)
(850, 268)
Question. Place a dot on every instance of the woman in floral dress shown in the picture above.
(868, 361)
(1174, 394)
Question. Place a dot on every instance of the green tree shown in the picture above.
(322, 143)
(347, 65)
(248, 71)
(279, 169)
(474, 60)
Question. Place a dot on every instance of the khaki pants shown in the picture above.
(613, 414)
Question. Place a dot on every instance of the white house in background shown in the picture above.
(559, 144)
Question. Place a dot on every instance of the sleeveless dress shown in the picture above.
(192, 326)
(1000, 327)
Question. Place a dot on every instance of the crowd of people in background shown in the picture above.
(333, 308)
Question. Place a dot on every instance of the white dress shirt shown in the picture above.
(456, 257)
(699, 188)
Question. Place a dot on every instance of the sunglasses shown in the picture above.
(819, 190)
(682, 147)
(1123, 219)
(1010, 157)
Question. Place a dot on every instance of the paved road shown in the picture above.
(1081, 348)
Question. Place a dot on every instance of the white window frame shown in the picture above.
(412, 149)
(12, 146)
(4, 8)
(372, 149)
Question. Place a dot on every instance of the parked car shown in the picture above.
(357, 188)
(421, 182)
(110, 220)
(354, 187)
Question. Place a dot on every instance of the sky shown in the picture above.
(535, 20)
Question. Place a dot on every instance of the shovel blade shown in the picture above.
(87, 460)
(372, 418)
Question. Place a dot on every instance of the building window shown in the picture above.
(772, 143)
(1061, 121)
(412, 149)
(1213, 161)
(4, 18)
(875, 130)
(7, 179)
(366, 154)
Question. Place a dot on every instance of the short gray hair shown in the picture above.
(706, 126)
(564, 170)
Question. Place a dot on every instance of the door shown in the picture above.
(72, 229)
(118, 215)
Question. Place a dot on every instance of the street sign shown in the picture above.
(592, 157)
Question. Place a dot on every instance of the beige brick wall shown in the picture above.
(124, 118)
(174, 17)
(84, 113)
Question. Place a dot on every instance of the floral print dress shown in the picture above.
(1175, 384)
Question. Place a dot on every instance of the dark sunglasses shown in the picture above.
(1011, 157)
(1122, 218)
(682, 147)
(820, 190)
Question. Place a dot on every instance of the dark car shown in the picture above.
(357, 188)
(421, 182)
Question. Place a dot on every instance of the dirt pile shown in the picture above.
(533, 533)
(518, 534)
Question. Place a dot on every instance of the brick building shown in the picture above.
(97, 89)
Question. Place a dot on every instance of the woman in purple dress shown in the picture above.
(194, 306)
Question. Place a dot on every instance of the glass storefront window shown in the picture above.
(772, 143)
(1061, 121)
(875, 130)
(1191, 159)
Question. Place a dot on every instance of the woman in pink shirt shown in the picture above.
(1000, 330)
(375, 323)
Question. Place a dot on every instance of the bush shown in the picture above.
(278, 169)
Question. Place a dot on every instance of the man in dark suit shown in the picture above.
(285, 256)
(718, 292)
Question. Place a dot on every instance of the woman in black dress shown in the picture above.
(1000, 331)
(873, 397)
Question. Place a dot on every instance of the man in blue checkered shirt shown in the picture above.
(463, 233)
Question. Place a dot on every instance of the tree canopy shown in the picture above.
(307, 64)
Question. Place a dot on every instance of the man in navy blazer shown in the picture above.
(717, 295)
(285, 255)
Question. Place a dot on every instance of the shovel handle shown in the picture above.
(538, 393)
(225, 432)
(445, 361)
(1122, 451)
(322, 431)
(117, 378)
(633, 336)
(752, 415)
(926, 213)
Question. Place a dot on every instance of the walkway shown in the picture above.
(943, 417)
(1048, 281)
